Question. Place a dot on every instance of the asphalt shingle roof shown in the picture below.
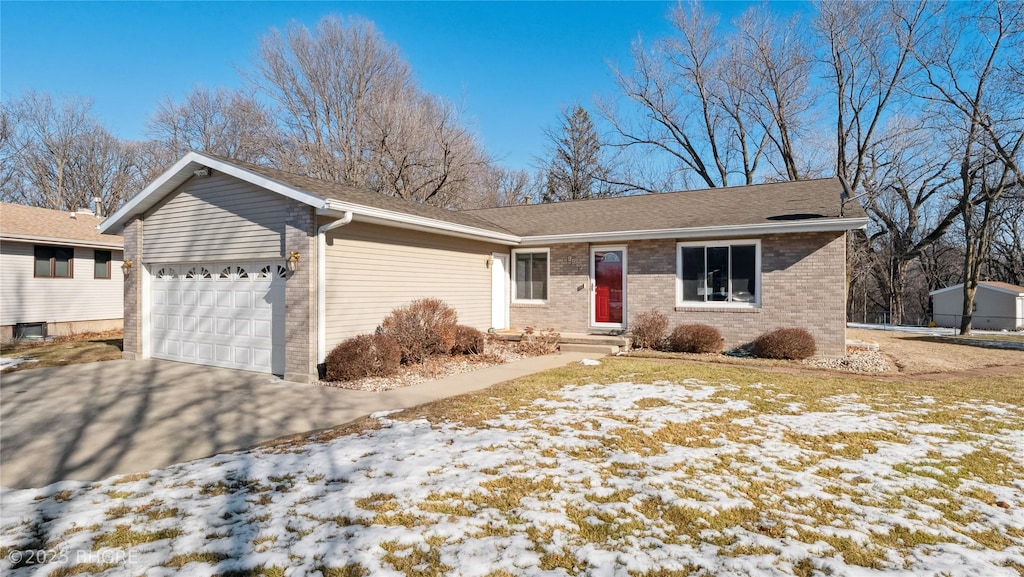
(20, 221)
(364, 197)
(774, 203)
(1003, 285)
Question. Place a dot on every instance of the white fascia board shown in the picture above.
(960, 287)
(831, 225)
(62, 241)
(420, 223)
(182, 171)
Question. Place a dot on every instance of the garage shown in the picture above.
(221, 314)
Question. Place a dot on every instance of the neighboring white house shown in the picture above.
(58, 274)
(997, 306)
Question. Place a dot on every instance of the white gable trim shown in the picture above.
(182, 171)
(981, 284)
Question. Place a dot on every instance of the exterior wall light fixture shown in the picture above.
(293, 260)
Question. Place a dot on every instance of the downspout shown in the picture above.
(321, 283)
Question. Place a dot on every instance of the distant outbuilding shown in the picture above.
(997, 306)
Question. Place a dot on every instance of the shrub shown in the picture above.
(542, 343)
(422, 328)
(468, 341)
(695, 338)
(784, 344)
(649, 328)
(363, 356)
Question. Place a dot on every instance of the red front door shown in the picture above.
(608, 293)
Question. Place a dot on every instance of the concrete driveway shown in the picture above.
(89, 421)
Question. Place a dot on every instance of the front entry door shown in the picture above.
(608, 287)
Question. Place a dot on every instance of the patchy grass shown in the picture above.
(124, 536)
(633, 467)
(86, 348)
(81, 569)
(917, 354)
(179, 561)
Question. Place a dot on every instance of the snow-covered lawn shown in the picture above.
(677, 477)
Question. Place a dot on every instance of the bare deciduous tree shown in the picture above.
(981, 113)
(868, 64)
(779, 61)
(904, 183)
(58, 156)
(719, 105)
(510, 187)
(1006, 262)
(228, 123)
(352, 112)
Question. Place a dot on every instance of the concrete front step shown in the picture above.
(588, 348)
(622, 342)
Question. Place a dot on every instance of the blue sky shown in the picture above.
(513, 64)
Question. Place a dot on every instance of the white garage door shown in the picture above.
(224, 314)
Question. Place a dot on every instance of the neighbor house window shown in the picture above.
(719, 273)
(530, 275)
(102, 266)
(54, 261)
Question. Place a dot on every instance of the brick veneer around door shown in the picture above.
(803, 285)
(568, 306)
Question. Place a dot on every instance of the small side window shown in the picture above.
(101, 268)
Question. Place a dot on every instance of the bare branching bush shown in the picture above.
(423, 328)
(543, 343)
(789, 343)
(649, 328)
(468, 341)
(363, 356)
(695, 338)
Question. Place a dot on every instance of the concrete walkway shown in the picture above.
(90, 421)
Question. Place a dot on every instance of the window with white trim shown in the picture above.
(719, 273)
(530, 271)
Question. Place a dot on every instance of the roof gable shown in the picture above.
(319, 194)
(186, 168)
(34, 224)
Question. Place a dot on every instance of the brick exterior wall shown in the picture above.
(568, 307)
(300, 296)
(132, 348)
(803, 279)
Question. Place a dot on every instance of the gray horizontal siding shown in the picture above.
(373, 269)
(216, 218)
